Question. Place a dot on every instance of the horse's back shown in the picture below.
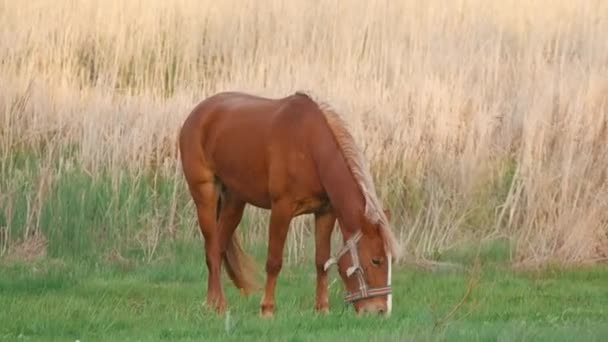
(246, 119)
(249, 143)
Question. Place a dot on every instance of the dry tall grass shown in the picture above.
(480, 118)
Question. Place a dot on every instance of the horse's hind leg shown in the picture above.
(205, 197)
(238, 265)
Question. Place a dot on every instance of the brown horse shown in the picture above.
(294, 156)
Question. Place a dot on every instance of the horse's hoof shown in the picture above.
(267, 310)
(322, 309)
(267, 314)
(218, 306)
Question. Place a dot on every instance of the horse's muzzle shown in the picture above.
(372, 307)
(364, 291)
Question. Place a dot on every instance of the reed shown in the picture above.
(480, 119)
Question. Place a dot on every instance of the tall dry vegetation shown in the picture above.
(480, 119)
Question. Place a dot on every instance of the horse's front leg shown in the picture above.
(280, 217)
(324, 225)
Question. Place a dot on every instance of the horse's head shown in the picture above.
(364, 264)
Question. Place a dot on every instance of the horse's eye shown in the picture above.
(376, 261)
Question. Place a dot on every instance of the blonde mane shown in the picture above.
(356, 163)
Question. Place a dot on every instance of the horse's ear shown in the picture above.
(387, 212)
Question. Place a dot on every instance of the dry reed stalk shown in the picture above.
(437, 94)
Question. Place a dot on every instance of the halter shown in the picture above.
(364, 290)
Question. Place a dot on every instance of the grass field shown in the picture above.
(485, 123)
(111, 273)
(52, 300)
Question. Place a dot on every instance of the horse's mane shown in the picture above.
(356, 162)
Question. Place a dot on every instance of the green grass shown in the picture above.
(84, 216)
(48, 300)
(98, 281)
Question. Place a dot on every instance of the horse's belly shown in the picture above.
(246, 182)
(310, 205)
(257, 197)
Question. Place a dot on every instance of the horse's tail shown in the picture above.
(241, 267)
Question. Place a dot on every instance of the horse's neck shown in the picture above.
(341, 187)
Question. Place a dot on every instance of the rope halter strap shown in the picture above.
(364, 290)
